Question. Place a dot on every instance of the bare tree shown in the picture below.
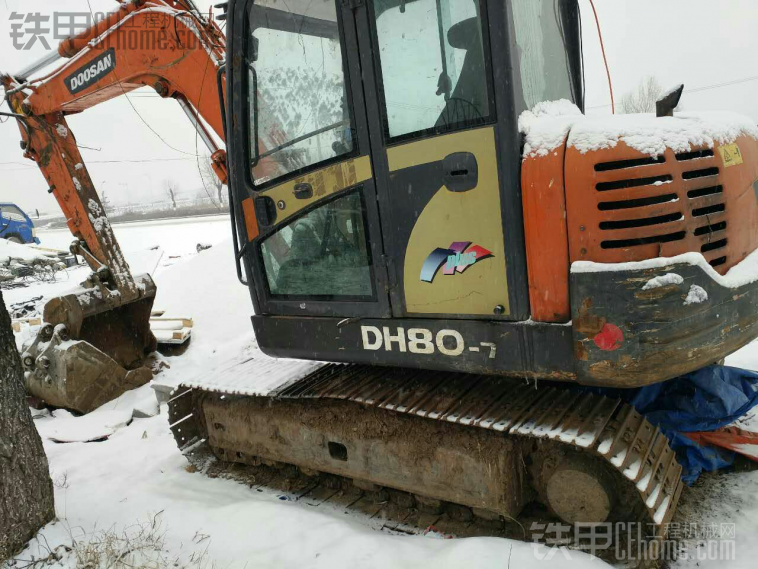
(170, 187)
(213, 187)
(26, 490)
(107, 205)
(643, 99)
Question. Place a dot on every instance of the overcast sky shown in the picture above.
(710, 46)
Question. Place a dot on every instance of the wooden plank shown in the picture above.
(186, 322)
(176, 337)
(16, 322)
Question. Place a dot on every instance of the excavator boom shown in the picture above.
(180, 54)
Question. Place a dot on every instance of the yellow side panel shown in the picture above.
(472, 216)
(325, 182)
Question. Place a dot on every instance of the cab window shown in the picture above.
(323, 255)
(299, 105)
(12, 213)
(433, 67)
(544, 30)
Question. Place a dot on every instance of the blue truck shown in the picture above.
(15, 225)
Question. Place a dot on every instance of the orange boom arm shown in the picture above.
(157, 44)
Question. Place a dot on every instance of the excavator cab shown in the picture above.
(379, 177)
(417, 194)
(394, 211)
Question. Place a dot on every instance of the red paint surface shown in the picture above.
(610, 338)
(732, 438)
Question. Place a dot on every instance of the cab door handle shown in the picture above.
(303, 191)
(460, 172)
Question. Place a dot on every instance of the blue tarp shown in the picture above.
(705, 400)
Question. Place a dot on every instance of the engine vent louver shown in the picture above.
(624, 164)
(714, 245)
(623, 243)
(661, 201)
(705, 192)
(718, 262)
(704, 173)
(685, 156)
(710, 210)
(634, 183)
(710, 229)
(644, 222)
(642, 202)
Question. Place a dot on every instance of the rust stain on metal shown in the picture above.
(588, 324)
(581, 352)
(658, 293)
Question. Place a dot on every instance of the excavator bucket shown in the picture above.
(90, 348)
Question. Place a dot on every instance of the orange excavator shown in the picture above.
(417, 197)
(168, 46)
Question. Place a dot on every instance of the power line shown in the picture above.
(704, 88)
(146, 160)
(123, 91)
(725, 84)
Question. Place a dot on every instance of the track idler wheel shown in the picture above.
(577, 488)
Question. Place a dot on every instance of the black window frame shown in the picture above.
(254, 190)
(490, 119)
(358, 189)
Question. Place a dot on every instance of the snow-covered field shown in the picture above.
(175, 236)
(136, 487)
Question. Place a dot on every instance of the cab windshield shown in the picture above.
(300, 109)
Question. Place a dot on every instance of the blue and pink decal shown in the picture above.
(456, 259)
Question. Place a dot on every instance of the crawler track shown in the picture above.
(493, 446)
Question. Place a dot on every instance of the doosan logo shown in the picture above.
(92, 72)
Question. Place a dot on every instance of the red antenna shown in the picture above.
(605, 59)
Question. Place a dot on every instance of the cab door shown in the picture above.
(449, 190)
(309, 174)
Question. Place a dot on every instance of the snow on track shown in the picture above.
(256, 376)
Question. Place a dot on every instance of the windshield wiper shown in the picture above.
(302, 138)
(444, 84)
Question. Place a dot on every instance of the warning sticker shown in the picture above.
(731, 155)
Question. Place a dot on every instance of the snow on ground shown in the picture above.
(137, 478)
(746, 358)
(177, 237)
(138, 474)
(10, 251)
(149, 247)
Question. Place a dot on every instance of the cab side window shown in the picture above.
(322, 255)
